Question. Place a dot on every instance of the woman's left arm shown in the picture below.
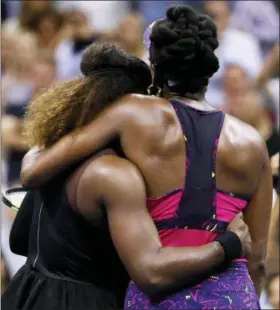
(257, 217)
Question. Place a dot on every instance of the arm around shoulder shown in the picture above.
(152, 267)
(75, 146)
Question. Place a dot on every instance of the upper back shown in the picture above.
(154, 140)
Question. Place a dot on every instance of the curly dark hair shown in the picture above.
(109, 73)
(182, 50)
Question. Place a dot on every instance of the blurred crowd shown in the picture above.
(42, 43)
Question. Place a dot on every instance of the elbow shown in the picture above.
(258, 268)
(151, 275)
(152, 280)
(151, 285)
(261, 269)
(257, 258)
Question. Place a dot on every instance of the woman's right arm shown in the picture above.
(153, 268)
(37, 169)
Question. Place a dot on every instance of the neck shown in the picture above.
(197, 104)
(193, 96)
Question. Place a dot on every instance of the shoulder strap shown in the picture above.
(202, 131)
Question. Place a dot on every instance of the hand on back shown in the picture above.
(240, 228)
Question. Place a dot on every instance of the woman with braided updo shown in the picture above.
(200, 166)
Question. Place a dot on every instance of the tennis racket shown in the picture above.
(13, 197)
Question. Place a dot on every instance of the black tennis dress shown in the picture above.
(71, 264)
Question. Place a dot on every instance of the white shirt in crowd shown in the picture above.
(102, 15)
(235, 47)
(260, 18)
(67, 62)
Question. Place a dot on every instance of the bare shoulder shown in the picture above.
(150, 114)
(110, 174)
(144, 103)
(242, 146)
(114, 167)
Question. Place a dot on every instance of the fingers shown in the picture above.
(239, 216)
(249, 246)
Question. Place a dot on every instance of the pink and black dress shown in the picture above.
(195, 215)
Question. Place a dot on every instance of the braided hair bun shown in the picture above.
(182, 50)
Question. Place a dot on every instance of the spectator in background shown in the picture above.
(75, 36)
(130, 33)
(242, 101)
(267, 79)
(235, 46)
(101, 15)
(20, 51)
(44, 71)
(265, 82)
(235, 82)
(17, 90)
(249, 105)
(7, 51)
(154, 10)
(46, 24)
(28, 73)
(43, 76)
(270, 67)
(261, 19)
(29, 9)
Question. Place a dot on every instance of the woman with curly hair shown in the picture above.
(200, 166)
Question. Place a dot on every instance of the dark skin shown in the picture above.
(242, 161)
(120, 188)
